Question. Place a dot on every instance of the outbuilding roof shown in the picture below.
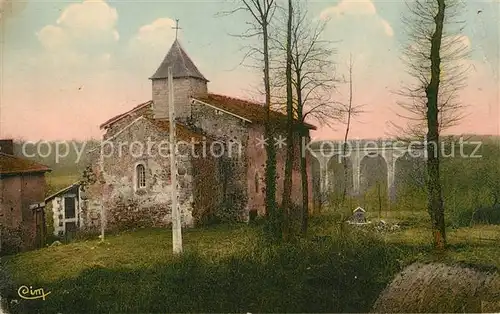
(11, 165)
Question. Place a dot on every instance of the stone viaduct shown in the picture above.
(357, 153)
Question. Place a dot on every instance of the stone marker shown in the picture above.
(358, 215)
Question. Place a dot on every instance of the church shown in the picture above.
(221, 162)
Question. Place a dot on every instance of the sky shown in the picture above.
(66, 67)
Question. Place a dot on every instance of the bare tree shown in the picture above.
(349, 112)
(261, 13)
(433, 58)
(421, 26)
(313, 82)
(290, 143)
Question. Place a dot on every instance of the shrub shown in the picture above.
(467, 216)
(87, 233)
(12, 240)
(487, 215)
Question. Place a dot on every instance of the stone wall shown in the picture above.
(231, 139)
(127, 206)
(115, 127)
(247, 175)
(92, 188)
(207, 188)
(185, 88)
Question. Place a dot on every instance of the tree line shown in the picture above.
(299, 78)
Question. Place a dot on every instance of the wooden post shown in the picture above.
(379, 200)
(103, 219)
(103, 211)
(176, 219)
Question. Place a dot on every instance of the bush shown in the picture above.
(487, 215)
(7, 288)
(11, 239)
(465, 217)
(87, 233)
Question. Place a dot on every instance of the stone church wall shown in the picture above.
(232, 167)
(248, 174)
(124, 121)
(127, 206)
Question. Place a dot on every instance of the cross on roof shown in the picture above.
(176, 28)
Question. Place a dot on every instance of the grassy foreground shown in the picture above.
(231, 269)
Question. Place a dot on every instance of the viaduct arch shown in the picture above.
(391, 154)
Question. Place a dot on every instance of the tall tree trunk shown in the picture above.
(435, 201)
(348, 125)
(271, 206)
(379, 200)
(305, 192)
(287, 183)
(303, 159)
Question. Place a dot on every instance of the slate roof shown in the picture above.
(11, 165)
(182, 65)
(246, 109)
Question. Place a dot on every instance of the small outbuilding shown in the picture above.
(67, 210)
(22, 190)
(358, 215)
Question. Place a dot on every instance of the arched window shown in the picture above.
(140, 173)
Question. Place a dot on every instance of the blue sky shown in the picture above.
(68, 66)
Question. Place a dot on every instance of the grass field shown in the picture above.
(231, 269)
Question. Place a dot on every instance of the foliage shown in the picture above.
(12, 240)
(471, 184)
(49, 223)
(234, 198)
(89, 177)
(487, 215)
(128, 214)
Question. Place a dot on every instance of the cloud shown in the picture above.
(85, 26)
(150, 45)
(359, 8)
(387, 28)
(74, 73)
(158, 34)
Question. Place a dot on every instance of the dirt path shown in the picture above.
(437, 287)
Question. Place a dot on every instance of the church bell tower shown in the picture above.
(187, 81)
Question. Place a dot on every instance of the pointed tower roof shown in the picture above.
(182, 65)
